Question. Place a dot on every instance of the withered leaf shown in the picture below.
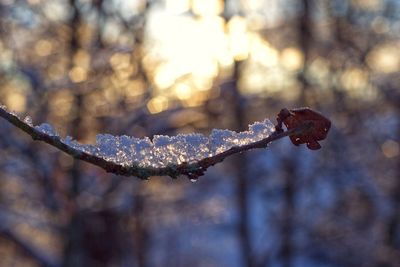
(295, 118)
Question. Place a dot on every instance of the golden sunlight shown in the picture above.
(207, 8)
(157, 104)
(82, 59)
(262, 52)
(43, 48)
(177, 7)
(238, 38)
(61, 103)
(384, 58)
(183, 91)
(187, 59)
(354, 79)
(15, 101)
(120, 61)
(292, 58)
(78, 74)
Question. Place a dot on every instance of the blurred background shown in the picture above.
(141, 68)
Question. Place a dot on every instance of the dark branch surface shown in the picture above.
(192, 170)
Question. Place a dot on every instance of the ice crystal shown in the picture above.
(90, 149)
(180, 148)
(163, 150)
(124, 149)
(28, 120)
(46, 129)
(221, 140)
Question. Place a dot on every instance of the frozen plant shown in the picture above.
(183, 154)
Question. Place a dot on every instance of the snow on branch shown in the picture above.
(190, 155)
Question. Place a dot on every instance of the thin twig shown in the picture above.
(192, 170)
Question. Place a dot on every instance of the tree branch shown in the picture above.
(191, 170)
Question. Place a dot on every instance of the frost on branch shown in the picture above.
(164, 151)
(189, 154)
(43, 128)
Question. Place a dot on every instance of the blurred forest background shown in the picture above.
(176, 66)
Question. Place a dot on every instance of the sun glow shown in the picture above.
(185, 54)
(188, 58)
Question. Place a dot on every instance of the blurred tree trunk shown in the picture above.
(241, 168)
(286, 250)
(392, 238)
(140, 229)
(240, 162)
(288, 212)
(305, 39)
(74, 253)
